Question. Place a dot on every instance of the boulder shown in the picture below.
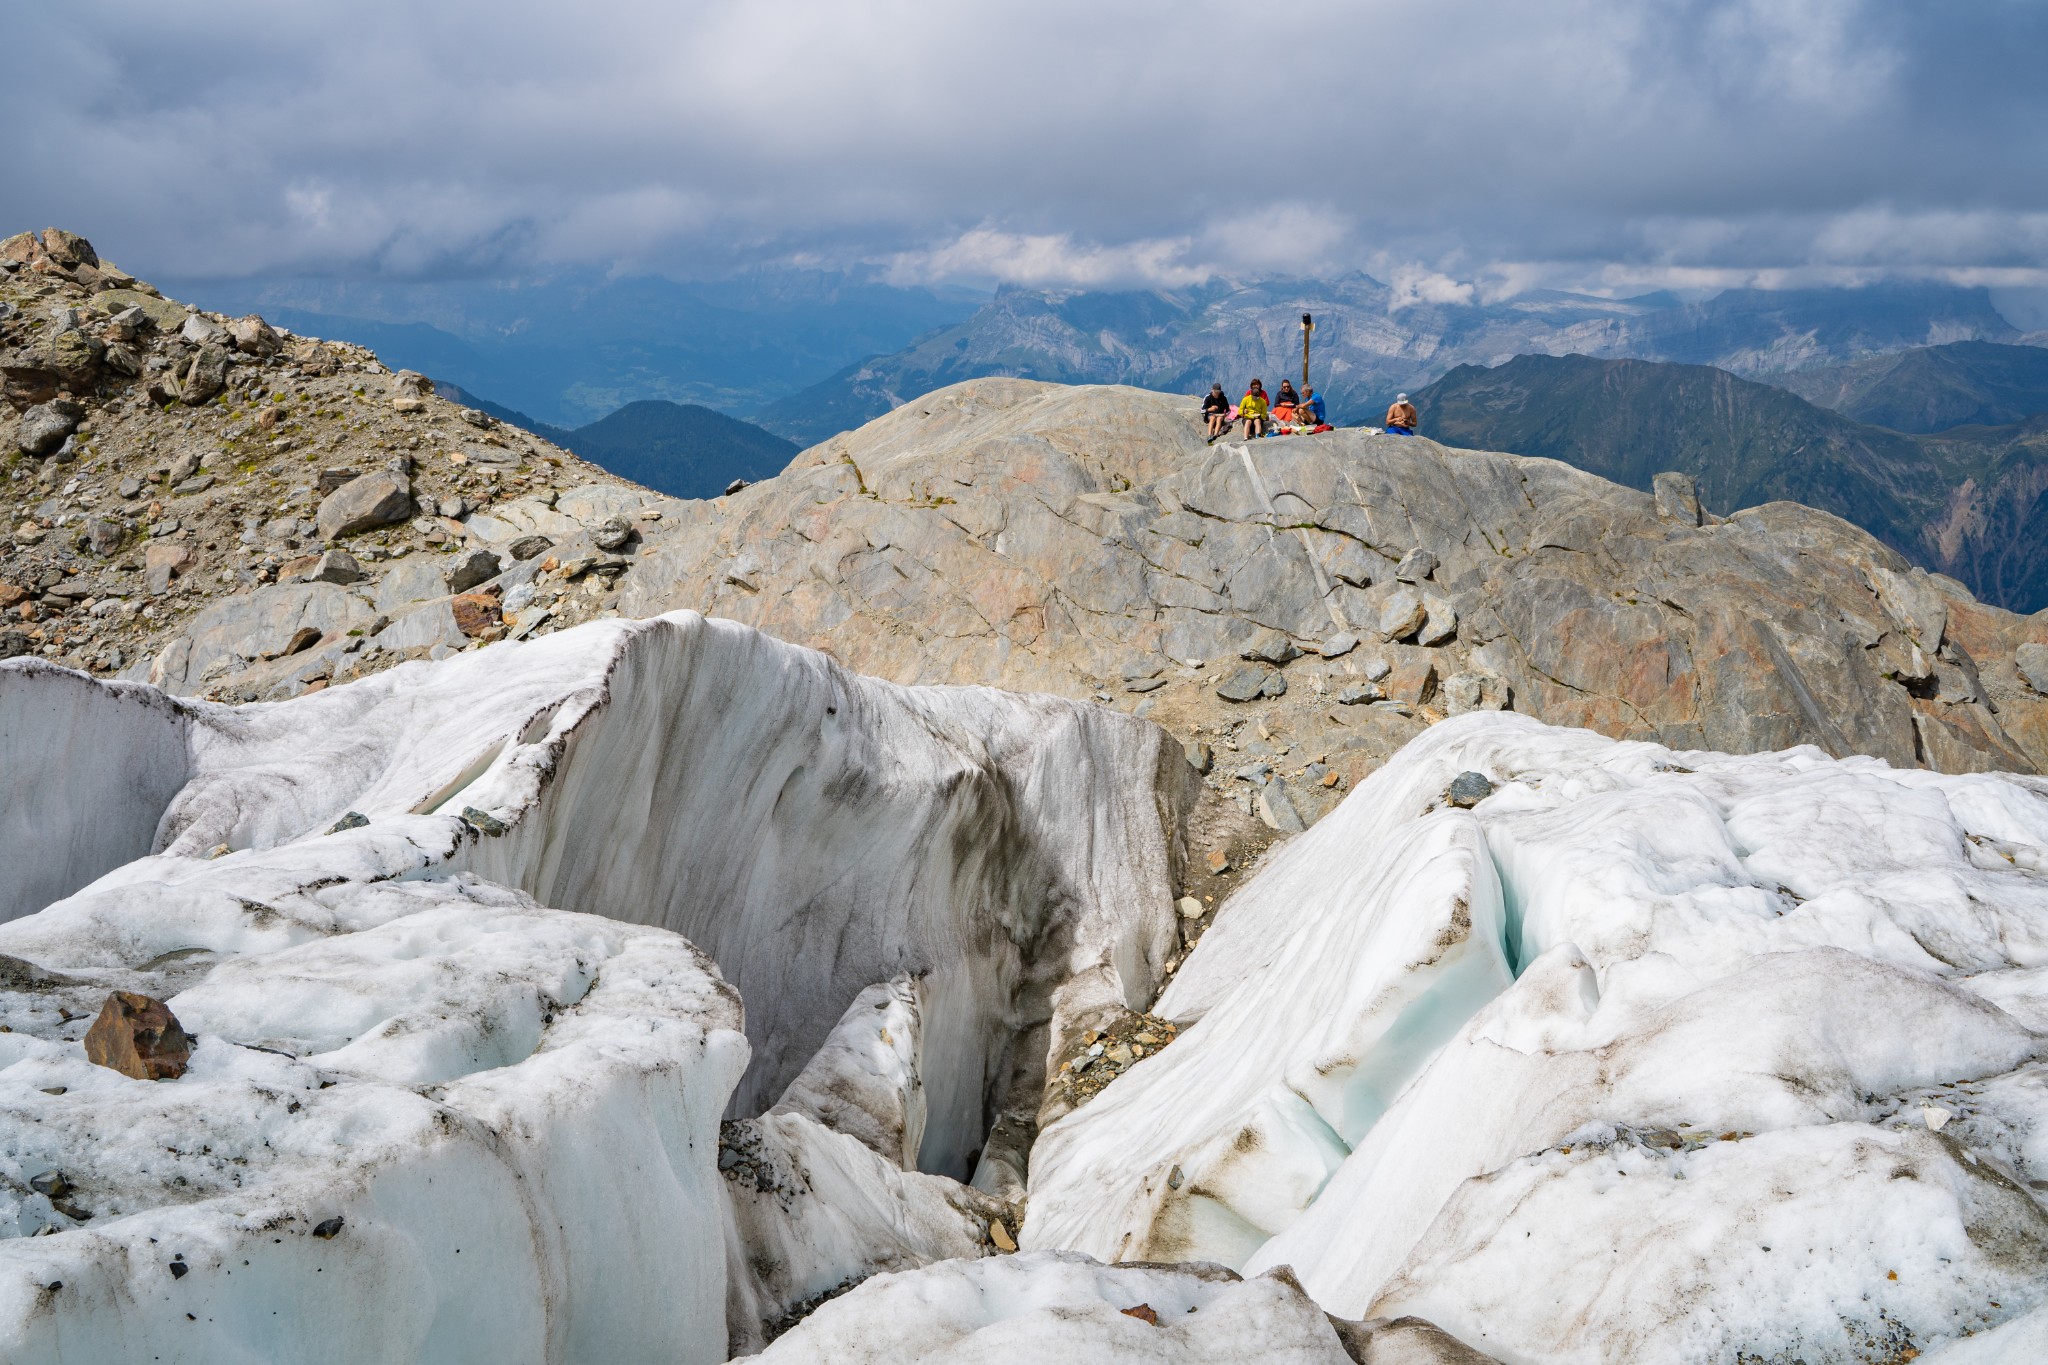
(1439, 624)
(378, 499)
(526, 547)
(43, 428)
(2032, 662)
(1246, 684)
(68, 249)
(1275, 805)
(1413, 680)
(102, 537)
(70, 356)
(1468, 789)
(1337, 646)
(477, 613)
(1415, 566)
(411, 384)
(1677, 497)
(1472, 691)
(1270, 647)
(138, 1036)
(253, 336)
(205, 377)
(164, 561)
(202, 330)
(612, 533)
(336, 566)
(1402, 614)
(470, 568)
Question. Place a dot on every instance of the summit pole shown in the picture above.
(1308, 324)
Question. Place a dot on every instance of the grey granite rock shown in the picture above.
(380, 498)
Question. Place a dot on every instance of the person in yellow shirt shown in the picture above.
(1252, 410)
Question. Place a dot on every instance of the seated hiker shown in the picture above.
(1310, 409)
(1287, 395)
(1401, 417)
(1216, 411)
(1252, 409)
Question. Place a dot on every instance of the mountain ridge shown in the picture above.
(685, 450)
(1369, 342)
(1965, 503)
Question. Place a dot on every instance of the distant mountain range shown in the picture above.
(1970, 501)
(1368, 344)
(681, 449)
(1932, 388)
(808, 353)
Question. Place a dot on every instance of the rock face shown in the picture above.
(1043, 537)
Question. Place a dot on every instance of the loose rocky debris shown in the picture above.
(140, 1037)
(183, 495)
(1105, 1053)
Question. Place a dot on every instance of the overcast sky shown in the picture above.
(1460, 149)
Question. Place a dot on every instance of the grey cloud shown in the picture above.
(1139, 140)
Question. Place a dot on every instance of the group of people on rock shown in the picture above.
(1286, 412)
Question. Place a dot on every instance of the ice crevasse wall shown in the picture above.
(515, 1112)
(1649, 1055)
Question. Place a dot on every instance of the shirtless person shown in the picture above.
(1401, 417)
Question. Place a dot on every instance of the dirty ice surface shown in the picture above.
(1646, 1056)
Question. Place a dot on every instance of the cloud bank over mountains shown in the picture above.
(1465, 151)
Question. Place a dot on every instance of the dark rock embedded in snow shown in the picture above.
(1468, 789)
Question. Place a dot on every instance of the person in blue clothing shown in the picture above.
(1310, 409)
(1401, 417)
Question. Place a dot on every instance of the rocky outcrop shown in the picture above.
(176, 463)
(1086, 541)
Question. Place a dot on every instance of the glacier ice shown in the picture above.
(342, 896)
(1648, 1055)
(1690, 1126)
(1058, 1306)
